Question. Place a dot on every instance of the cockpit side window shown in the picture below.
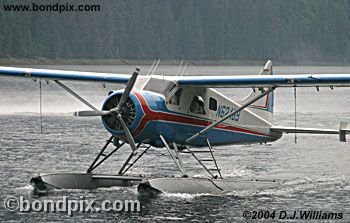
(175, 99)
(197, 105)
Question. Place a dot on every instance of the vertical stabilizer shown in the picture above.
(264, 106)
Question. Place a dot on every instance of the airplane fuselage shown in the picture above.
(177, 118)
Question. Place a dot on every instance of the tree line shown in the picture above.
(283, 30)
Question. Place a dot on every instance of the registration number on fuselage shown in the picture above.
(224, 110)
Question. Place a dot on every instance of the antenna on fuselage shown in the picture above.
(149, 71)
(178, 70)
(155, 67)
(183, 71)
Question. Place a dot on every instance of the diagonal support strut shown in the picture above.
(176, 159)
(97, 162)
(76, 95)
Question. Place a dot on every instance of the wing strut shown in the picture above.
(203, 131)
(76, 95)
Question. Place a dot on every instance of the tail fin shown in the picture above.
(264, 106)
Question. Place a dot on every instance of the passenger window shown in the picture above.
(213, 104)
(197, 105)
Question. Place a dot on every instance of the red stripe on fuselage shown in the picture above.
(164, 116)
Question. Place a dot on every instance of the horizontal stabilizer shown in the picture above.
(343, 130)
(303, 130)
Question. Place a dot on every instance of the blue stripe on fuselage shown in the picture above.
(178, 132)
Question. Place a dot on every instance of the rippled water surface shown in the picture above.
(315, 173)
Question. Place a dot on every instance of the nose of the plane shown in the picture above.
(131, 113)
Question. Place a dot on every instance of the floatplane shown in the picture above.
(182, 114)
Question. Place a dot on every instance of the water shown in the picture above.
(315, 172)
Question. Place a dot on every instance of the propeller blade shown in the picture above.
(91, 113)
(127, 133)
(127, 90)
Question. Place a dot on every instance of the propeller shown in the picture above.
(127, 133)
(121, 103)
(117, 110)
(127, 91)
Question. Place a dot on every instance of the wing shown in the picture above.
(63, 75)
(300, 80)
(266, 79)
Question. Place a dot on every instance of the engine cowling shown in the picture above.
(131, 113)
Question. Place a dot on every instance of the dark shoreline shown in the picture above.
(46, 61)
